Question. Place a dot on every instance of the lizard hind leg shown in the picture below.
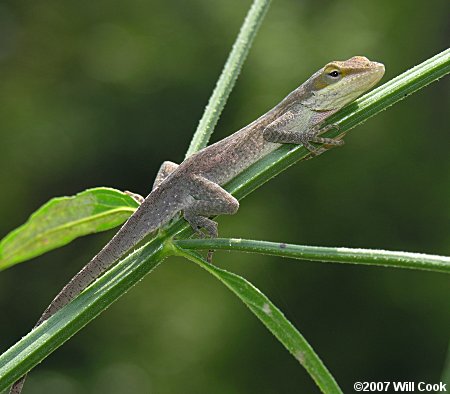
(164, 171)
(208, 199)
(136, 197)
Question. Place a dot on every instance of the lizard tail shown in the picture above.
(151, 214)
(154, 212)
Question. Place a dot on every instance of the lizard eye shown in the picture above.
(334, 74)
(331, 75)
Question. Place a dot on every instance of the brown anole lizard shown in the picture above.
(195, 186)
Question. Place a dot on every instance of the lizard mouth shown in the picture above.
(378, 71)
(366, 71)
(370, 77)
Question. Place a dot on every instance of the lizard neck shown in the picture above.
(222, 161)
(225, 159)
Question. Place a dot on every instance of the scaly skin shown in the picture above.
(194, 186)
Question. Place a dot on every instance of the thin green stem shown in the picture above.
(229, 75)
(324, 254)
(273, 319)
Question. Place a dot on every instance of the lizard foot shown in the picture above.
(314, 136)
(200, 222)
(209, 255)
(135, 196)
(210, 227)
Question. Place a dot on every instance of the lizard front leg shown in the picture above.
(300, 126)
(208, 199)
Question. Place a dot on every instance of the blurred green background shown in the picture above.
(100, 93)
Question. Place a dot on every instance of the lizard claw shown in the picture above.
(210, 226)
(200, 222)
(210, 255)
(320, 130)
(314, 136)
(136, 197)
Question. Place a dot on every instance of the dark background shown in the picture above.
(100, 93)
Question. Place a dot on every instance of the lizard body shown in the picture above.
(195, 186)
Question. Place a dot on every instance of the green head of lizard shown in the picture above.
(340, 82)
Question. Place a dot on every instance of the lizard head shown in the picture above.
(340, 82)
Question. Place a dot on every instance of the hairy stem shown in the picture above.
(229, 75)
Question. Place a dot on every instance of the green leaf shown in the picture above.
(63, 219)
(273, 319)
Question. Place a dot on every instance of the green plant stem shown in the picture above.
(324, 254)
(229, 75)
(273, 319)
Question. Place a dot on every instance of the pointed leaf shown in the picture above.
(62, 219)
